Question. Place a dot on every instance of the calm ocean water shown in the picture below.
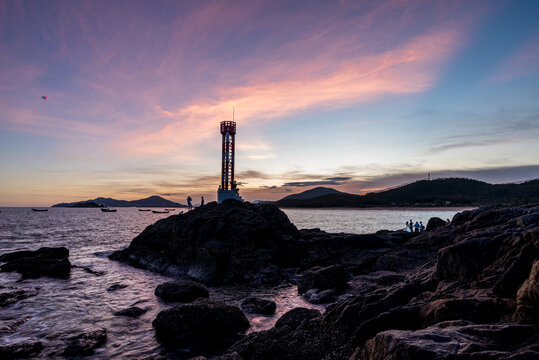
(62, 308)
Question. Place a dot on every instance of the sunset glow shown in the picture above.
(354, 95)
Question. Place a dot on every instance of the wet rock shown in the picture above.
(86, 343)
(21, 351)
(254, 305)
(315, 296)
(10, 298)
(52, 262)
(232, 242)
(181, 291)
(132, 311)
(321, 278)
(453, 340)
(295, 317)
(434, 223)
(115, 287)
(527, 311)
(198, 326)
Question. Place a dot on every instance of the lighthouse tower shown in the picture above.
(228, 188)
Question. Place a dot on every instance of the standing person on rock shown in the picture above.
(416, 227)
(189, 205)
(201, 201)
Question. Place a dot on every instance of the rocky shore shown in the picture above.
(465, 291)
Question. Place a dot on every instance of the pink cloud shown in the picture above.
(410, 68)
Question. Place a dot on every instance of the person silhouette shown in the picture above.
(201, 201)
(189, 205)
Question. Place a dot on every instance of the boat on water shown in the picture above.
(144, 209)
(40, 209)
(108, 210)
(159, 212)
(170, 209)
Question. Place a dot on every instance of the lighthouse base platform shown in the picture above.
(223, 195)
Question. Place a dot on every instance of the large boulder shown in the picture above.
(232, 242)
(434, 223)
(181, 291)
(201, 325)
(295, 317)
(46, 261)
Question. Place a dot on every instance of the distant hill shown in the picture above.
(313, 193)
(152, 201)
(440, 192)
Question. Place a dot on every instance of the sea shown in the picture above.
(59, 309)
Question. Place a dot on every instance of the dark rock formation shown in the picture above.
(132, 311)
(254, 305)
(20, 351)
(527, 311)
(232, 242)
(410, 295)
(319, 284)
(203, 325)
(434, 223)
(10, 298)
(295, 317)
(45, 261)
(181, 291)
(454, 340)
(467, 291)
(86, 343)
(115, 287)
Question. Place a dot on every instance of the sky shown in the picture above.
(354, 95)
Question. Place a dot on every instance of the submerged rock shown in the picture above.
(199, 326)
(21, 351)
(181, 291)
(85, 344)
(46, 261)
(254, 305)
(115, 287)
(132, 311)
(10, 298)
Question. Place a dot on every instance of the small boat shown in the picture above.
(159, 212)
(144, 209)
(108, 210)
(170, 209)
(40, 209)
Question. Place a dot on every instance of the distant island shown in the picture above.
(423, 193)
(152, 201)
